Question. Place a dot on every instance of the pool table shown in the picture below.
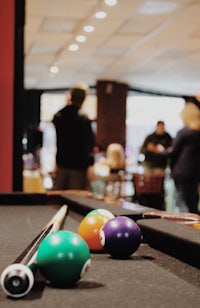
(154, 276)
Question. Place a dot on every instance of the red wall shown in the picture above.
(6, 94)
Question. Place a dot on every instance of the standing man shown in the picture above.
(154, 162)
(75, 142)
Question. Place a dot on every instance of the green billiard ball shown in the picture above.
(63, 258)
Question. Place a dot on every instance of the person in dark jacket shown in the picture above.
(75, 142)
(154, 162)
(185, 159)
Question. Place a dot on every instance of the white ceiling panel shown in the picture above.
(52, 38)
(77, 9)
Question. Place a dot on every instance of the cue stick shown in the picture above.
(181, 218)
(17, 279)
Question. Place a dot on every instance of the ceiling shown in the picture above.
(152, 46)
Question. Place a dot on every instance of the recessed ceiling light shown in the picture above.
(88, 28)
(100, 15)
(110, 2)
(81, 38)
(73, 47)
(54, 69)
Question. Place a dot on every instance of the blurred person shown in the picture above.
(154, 162)
(75, 141)
(112, 163)
(185, 158)
(115, 157)
(154, 166)
(34, 136)
(109, 169)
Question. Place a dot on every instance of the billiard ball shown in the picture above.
(63, 258)
(89, 229)
(120, 237)
(102, 212)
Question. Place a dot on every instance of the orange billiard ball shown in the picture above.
(89, 229)
(102, 212)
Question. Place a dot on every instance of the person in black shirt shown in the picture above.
(154, 162)
(154, 165)
(75, 142)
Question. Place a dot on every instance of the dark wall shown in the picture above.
(32, 107)
(18, 95)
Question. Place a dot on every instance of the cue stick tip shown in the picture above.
(17, 280)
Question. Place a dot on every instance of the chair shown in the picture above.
(149, 190)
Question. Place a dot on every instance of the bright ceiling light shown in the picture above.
(110, 2)
(81, 38)
(73, 47)
(54, 69)
(88, 28)
(100, 15)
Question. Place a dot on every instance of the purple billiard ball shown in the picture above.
(120, 237)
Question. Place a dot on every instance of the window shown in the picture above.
(142, 114)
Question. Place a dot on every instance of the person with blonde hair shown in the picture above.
(115, 157)
(108, 169)
(184, 156)
(191, 115)
(112, 163)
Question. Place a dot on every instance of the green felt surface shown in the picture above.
(149, 278)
